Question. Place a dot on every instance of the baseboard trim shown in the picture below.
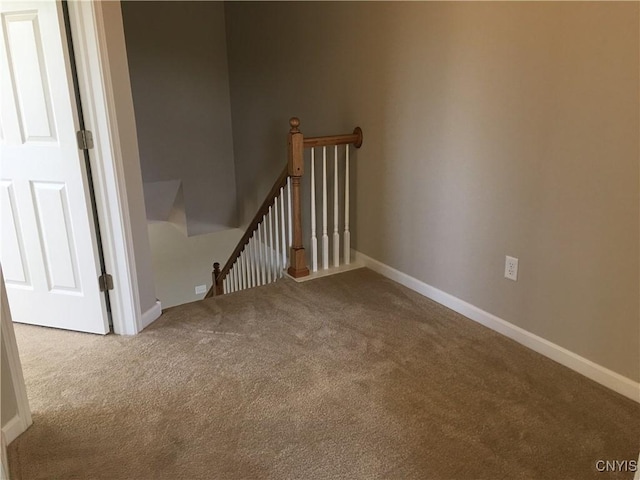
(589, 369)
(13, 428)
(150, 316)
(330, 271)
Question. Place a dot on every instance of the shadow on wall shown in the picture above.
(179, 77)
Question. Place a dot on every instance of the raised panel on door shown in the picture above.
(28, 73)
(14, 262)
(56, 236)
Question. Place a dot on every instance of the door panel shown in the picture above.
(49, 250)
(28, 76)
(13, 261)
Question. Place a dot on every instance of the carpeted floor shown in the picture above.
(346, 377)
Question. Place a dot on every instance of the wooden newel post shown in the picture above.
(217, 285)
(298, 262)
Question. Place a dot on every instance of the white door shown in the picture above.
(49, 251)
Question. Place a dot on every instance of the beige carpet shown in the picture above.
(345, 377)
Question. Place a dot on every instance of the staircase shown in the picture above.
(273, 244)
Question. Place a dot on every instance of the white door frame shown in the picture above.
(22, 419)
(96, 91)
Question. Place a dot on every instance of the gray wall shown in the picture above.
(490, 129)
(179, 77)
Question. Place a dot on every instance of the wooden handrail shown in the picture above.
(294, 170)
(355, 138)
(253, 225)
(264, 208)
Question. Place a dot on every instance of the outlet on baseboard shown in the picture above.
(511, 268)
(201, 289)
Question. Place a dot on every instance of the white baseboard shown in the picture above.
(13, 428)
(589, 369)
(330, 271)
(150, 315)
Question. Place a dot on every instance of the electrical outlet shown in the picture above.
(200, 289)
(511, 268)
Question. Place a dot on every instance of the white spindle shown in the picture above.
(258, 247)
(271, 253)
(283, 231)
(245, 266)
(277, 230)
(267, 255)
(236, 277)
(252, 263)
(224, 286)
(347, 234)
(265, 251)
(325, 237)
(231, 282)
(243, 271)
(289, 212)
(314, 239)
(336, 207)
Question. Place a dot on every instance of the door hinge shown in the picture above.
(85, 139)
(106, 282)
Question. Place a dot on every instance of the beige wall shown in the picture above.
(181, 263)
(490, 129)
(121, 84)
(179, 78)
(9, 407)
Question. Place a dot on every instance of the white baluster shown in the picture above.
(336, 208)
(256, 259)
(347, 234)
(247, 271)
(325, 237)
(289, 212)
(252, 263)
(314, 239)
(235, 276)
(277, 231)
(259, 256)
(224, 286)
(271, 253)
(243, 268)
(231, 284)
(283, 231)
(239, 263)
(263, 250)
(267, 256)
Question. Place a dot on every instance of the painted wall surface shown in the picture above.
(181, 263)
(490, 129)
(9, 408)
(119, 72)
(179, 77)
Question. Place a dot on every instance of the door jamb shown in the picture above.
(22, 420)
(96, 90)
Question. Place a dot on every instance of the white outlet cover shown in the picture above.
(511, 268)
(200, 289)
